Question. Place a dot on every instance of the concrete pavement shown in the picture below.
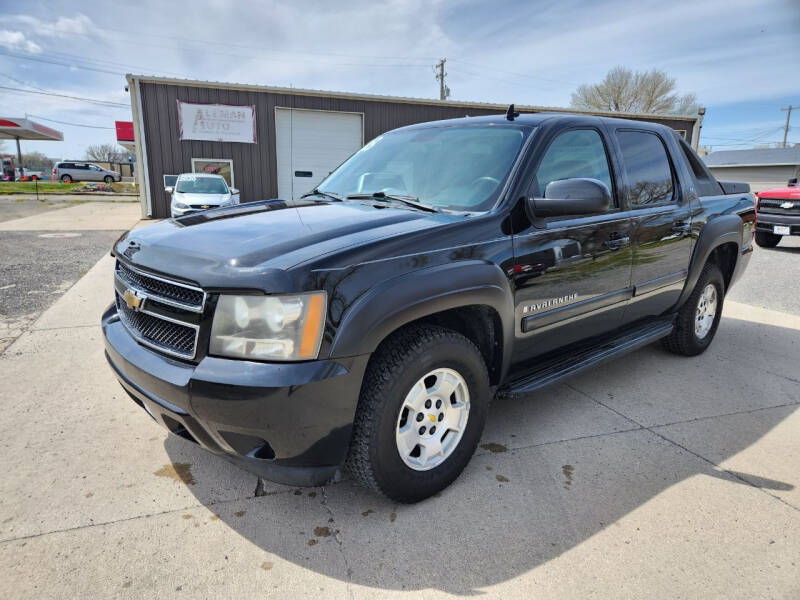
(86, 216)
(650, 476)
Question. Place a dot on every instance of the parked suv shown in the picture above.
(83, 171)
(369, 324)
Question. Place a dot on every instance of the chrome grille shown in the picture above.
(169, 336)
(773, 206)
(169, 292)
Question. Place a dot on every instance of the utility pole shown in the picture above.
(788, 110)
(444, 91)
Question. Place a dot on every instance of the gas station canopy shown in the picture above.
(23, 129)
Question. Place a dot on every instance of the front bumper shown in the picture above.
(766, 221)
(288, 422)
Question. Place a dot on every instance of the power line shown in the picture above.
(67, 123)
(62, 64)
(206, 42)
(22, 82)
(521, 75)
(108, 103)
(113, 63)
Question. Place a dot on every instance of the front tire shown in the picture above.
(421, 412)
(698, 319)
(766, 239)
(108, 179)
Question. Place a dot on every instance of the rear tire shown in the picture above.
(695, 326)
(66, 179)
(409, 369)
(767, 240)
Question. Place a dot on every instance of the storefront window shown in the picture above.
(214, 166)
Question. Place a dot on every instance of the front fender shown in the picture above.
(401, 300)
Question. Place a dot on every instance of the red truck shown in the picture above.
(778, 214)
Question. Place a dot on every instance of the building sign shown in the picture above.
(124, 131)
(217, 122)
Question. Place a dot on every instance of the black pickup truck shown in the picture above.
(367, 326)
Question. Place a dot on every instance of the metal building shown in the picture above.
(271, 142)
(762, 168)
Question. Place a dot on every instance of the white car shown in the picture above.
(194, 192)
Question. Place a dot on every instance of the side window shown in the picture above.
(576, 153)
(647, 168)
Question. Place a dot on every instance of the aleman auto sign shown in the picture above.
(217, 122)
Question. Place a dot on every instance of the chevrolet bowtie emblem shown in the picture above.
(205, 206)
(132, 301)
(432, 418)
(787, 205)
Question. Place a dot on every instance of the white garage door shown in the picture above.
(311, 144)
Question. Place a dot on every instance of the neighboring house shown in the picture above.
(762, 168)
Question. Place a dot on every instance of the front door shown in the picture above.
(661, 219)
(571, 275)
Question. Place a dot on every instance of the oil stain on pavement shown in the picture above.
(180, 472)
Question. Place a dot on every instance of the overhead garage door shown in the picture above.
(311, 144)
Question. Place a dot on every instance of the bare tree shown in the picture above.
(623, 90)
(36, 161)
(106, 153)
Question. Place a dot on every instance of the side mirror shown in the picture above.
(169, 189)
(233, 191)
(577, 196)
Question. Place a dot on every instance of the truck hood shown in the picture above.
(252, 245)
(790, 193)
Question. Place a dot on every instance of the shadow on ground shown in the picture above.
(539, 495)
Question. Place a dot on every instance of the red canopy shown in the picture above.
(25, 129)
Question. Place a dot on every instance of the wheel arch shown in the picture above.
(473, 298)
(720, 240)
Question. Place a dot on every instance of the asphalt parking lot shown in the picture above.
(38, 265)
(650, 476)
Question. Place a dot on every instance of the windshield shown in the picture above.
(201, 185)
(456, 168)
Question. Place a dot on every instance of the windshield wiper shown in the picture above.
(318, 192)
(407, 200)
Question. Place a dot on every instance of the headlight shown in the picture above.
(181, 205)
(269, 327)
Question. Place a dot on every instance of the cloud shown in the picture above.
(16, 40)
(63, 27)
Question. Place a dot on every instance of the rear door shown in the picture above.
(79, 172)
(661, 221)
(572, 275)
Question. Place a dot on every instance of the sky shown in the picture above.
(741, 58)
